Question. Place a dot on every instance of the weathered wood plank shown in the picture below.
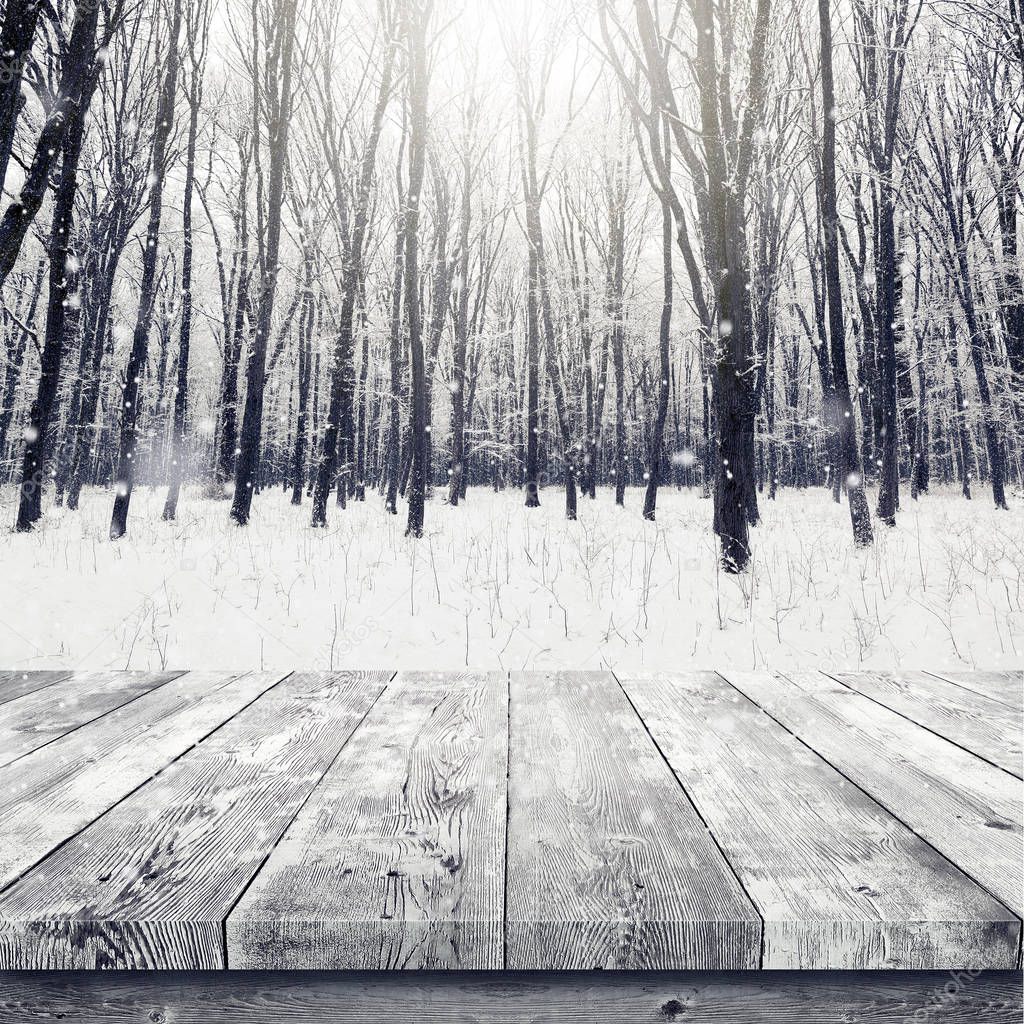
(14, 684)
(396, 860)
(149, 884)
(609, 866)
(1007, 686)
(51, 794)
(984, 726)
(840, 883)
(35, 719)
(968, 810)
(485, 997)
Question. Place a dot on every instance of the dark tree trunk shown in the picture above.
(394, 453)
(125, 472)
(307, 322)
(364, 368)
(280, 74)
(15, 359)
(19, 29)
(849, 456)
(77, 81)
(922, 465)
(227, 403)
(95, 341)
(197, 51)
(963, 437)
(417, 18)
(889, 479)
(532, 386)
(338, 443)
(458, 390)
(654, 459)
(63, 292)
(735, 405)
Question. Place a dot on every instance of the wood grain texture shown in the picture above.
(14, 684)
(1007, 686)
(984, 726)
(478, 997)
(839, 882)
(150, 883)
(50, 795)
(37, 718)
(396, 861)
(968, 810)
(609, 866)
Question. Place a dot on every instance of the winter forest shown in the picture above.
(509, 333)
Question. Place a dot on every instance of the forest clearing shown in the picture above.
(495, 585)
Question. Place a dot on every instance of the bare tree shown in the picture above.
(850, 463)
(125, 473)
(416, 17)
(273, 25)
(197, 36)
(81, 70)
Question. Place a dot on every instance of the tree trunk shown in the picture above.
(416, 33)
(19, 29)
(394, 453)
(248, 461)
(307, 322)
(63, 294)
(532, 386)
(654, 459)
(125, 473)
(458, 390)
(889, 480)
(185, 341)
(849, 456)
(77, 81)
(15, 359)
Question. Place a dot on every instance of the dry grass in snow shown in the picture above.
(493, 585)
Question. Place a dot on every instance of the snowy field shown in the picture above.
(492, 585)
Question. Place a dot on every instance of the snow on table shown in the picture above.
(379, 821)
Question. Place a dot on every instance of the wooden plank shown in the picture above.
(487, 997)
(609, 866)
(35, 719)
(982, 725)
(840, 883)
(968, 810)
(50, 795)
(1007, 687)
(14, 684)
(149, 884)
(396, 860)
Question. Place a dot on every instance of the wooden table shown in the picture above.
(727, 847)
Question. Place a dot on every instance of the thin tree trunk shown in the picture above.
(849, 464)
(125, 473)
(458, 390)
(184, 346)
(654, 459)
(417, 17)
(307, 322)
(248, 461)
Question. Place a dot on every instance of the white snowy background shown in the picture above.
(493, 585)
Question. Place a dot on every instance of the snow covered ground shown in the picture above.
(494, 585)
